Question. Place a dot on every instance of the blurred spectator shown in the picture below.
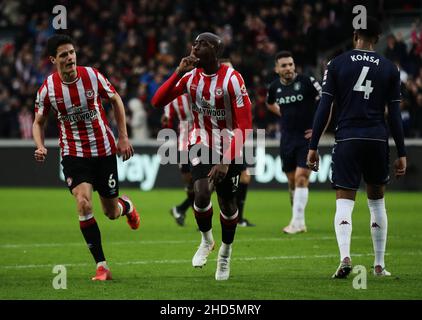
(137, 44)
(25, 118)
(138, 120)
(418, 116)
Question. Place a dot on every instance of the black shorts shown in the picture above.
(184, 168)
(293, 152)
(227, 188)
(353, 159)
(101, 172)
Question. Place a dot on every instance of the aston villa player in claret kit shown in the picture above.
(294, 98)
(219, 101)
(87, 144)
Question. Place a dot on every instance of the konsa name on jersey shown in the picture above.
(359, 57)
(79, 116)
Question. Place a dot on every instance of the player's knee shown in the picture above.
(202, 199)
(228, 208)
(84, 205)
(302, 181)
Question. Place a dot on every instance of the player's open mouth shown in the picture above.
(70, 64)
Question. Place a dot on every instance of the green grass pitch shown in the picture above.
(39, 229)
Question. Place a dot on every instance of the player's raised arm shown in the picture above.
(124, 147)
(175, 85)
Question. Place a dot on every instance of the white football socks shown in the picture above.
(343, 226)
(379, 225)
(103, 264)
(300, 199)
(225, 250)
(207, 237)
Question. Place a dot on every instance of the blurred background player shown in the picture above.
(242, 190)
(178, 113)
(293, 97)
(87, 144)
(362, 82)
(219, 101)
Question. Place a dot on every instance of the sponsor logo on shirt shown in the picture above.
(79, 115)
(289, 99)
(208, 110)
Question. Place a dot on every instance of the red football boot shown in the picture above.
(102, 274)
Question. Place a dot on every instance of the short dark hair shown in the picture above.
(56, 41)
(283, 54)
(372, 31)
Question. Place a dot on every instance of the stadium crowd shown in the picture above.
(137, 45)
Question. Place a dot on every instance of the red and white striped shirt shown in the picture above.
(219, 101)
(180, 108)
(83, 127)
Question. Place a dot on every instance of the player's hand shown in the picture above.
(308, 134)
(124, 148)
(400, 167)
(40, 154)
(187, 64)
(218, 173)
(312, 160)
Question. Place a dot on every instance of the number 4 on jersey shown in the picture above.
(367, 89)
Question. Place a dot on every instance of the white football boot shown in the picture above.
(223, 264)
(201, 255)
(292, 229)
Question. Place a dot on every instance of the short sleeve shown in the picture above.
(105, 88)
(42, 101)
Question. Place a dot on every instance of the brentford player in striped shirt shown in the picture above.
(87, 143)
(178, 112)
(219, 101)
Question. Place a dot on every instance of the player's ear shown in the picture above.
(52, 59)
(355, 36)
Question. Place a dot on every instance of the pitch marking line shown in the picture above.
(158, 242)
(243, 259)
